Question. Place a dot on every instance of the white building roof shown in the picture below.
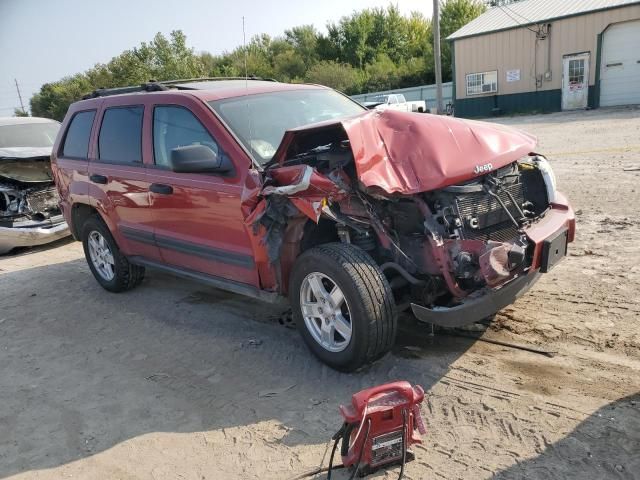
(530, 12)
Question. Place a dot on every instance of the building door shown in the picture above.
(620, 65)
(575, 81)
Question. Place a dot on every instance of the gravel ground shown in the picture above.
(175, 380)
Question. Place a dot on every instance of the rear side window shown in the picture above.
(120, 139)
(76, 141)
(177, 127)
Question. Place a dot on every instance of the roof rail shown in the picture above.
(210, 79)
(155, 86)
(151, 86)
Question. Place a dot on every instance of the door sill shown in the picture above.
(217, 282)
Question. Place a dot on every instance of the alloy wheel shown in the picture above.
(101, 256)
(326, 312)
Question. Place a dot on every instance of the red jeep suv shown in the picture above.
(277, 191)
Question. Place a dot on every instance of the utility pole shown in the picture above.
(436, 53)
(19, 95)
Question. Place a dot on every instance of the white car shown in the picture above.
(29, 210)
(396, 101)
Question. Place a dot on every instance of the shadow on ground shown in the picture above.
(82, 370)
(605, 445)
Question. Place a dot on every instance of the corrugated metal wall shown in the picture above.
(421, 92)
(514, 49)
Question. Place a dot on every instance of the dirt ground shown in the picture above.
(177, 381)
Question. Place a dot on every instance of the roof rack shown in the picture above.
(151, 86)
(155, 86)
(214, 79)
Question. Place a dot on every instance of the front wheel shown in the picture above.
(342, 305)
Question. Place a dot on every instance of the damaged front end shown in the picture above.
(29, 210)
(460, 216)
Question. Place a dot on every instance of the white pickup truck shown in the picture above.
(396, 101)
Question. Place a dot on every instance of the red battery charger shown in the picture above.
(379, 426)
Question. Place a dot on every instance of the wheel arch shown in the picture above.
(80, 212)
(301, 235)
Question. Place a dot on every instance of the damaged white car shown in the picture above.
(29, 210)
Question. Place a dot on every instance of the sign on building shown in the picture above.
(513, 75)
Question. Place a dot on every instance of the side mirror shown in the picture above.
(198, 159)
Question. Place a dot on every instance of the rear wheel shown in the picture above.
(110, 268)
(342, 305)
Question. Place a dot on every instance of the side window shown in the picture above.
(120, 139)
(401, 99)
(393, 99)
(177, 127)
(76, 141)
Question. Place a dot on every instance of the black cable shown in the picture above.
(404, 443)
(333, 452)
(364, 445)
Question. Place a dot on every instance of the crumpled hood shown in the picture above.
(25, 152)
(26, 164)
(407, 153)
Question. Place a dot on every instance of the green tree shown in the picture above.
(341, 76)
(455, 14)
(382, 74)
(373, 49)
(161, 59)
(19, 112)
(304, 40)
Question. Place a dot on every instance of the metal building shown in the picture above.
(547, 55)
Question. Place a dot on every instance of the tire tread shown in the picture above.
(375, 293)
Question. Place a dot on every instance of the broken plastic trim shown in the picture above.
(302, 185)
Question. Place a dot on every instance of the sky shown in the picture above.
(44, 40)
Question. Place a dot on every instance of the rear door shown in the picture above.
(119, 185)
(197, 218)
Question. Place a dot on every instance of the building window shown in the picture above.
(576, 71)
(485, 82)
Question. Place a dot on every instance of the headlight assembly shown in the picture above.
(549, 177)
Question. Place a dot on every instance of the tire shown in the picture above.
(370, 308)
(125, 275)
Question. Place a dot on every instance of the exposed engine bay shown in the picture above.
(436, 246)
(27, 193)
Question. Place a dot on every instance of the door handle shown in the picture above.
(98, 179)
(160, 188)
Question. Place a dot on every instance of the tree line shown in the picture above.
(370, 50)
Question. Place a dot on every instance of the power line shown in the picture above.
(504, 10)
(19, 95)
(518, 14)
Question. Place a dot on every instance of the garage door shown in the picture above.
(620, 74)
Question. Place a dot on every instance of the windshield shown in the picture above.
(260, 120)
(382, 98)
(28, 135)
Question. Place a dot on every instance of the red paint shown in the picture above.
(395, 153)
(401, 152)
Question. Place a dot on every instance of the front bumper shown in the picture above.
(477, 308)
(558, 220)
(32, 235)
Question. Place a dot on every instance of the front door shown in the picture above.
(575, 81)
(197, 217)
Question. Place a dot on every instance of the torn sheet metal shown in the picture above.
(294, 191)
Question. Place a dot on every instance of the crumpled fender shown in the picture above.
(305, 188)
(292, 191)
